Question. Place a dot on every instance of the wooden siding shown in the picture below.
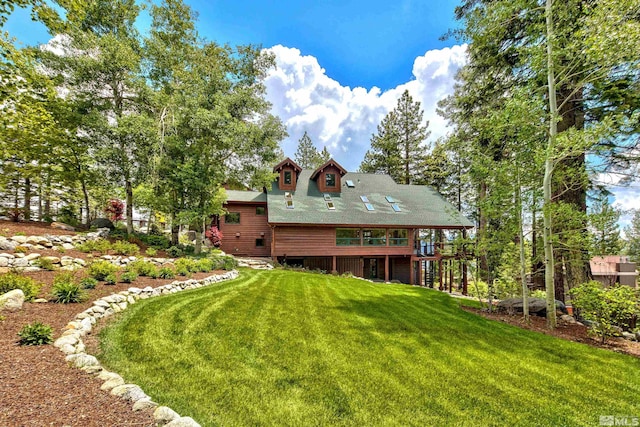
(350, 264)
(251, 227)
(322, 180)
(294, 179)
(321, 241)
(400, 269)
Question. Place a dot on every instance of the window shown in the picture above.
(395, 207)
(398, 237)
(374, 237)
(364, 199)
(289, 204)
(261, 210)
(232, 218)
(287, 177)
(350, 184)
(389, 199)
(259, 243)
(331, 206)
(327, 197)
(369, 207)
(347, 237)
(330, 179)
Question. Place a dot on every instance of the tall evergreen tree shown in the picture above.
(398, 147)
(605, 232)
(307, 155)
(632, 237)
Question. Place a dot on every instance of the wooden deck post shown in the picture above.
(450, 275)
(386, 268)
(440, 275)
(334, 265)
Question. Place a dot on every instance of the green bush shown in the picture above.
(45, 264)
(36, 334)
(11, 281)
(122, 247)
(88, 283)
(609, 308)
(166, 273)
(65, 289)
(128, 276)
(151, 252)
(100, 245)
(158, 242)
(538, 293)
(205, 265)
(174, 252)
(100, 269)
(184, 266)
(144, 268)
(111, 279)
(229, 263)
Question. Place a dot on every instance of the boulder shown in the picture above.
(102, 223)
(130, 392)
(144, 404)
(537, 306)
(163, 415)
(7, 245)
(82, 359)
(12, 300)
(19, 239)
(4, 262)
(62, 226)
(183, 422)
(112, 383)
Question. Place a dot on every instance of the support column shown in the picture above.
(440, 275)
(419, 272)
(465, 280)
(386, 268)
(450, 275)
(334, 265)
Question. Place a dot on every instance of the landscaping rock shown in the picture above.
(40, 300)
(106, 375)
(569, 320)
(144, 404)
(4, 262)
(12, 300)
(82, 359)
(163, 415)
(183, 422)
(629, 336)
(62, 226)
(130, 392)
(19, 239)
(102, 223)
(112, 383)
(7, 245)
(537, 306)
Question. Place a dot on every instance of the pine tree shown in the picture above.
(603, 219)
(632, 237)
(307, 155)
(397, 149)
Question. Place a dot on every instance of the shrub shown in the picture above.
(115, 210)
(100, 245)
(88, 283)
(144, 268)
(100, 269)
(609, 308)
(111, 279)
(166, 273)
(174, 252)
(21, 249)
(538, 293)
(128, 276)
(151, 252)
(45, 264)
(15, 214)
(35, 334)
(125, 248)
(11, 281)
(205, 265)
(157, 241)
(65, 289)
(184, 266)
(229, 263)
(215, 236)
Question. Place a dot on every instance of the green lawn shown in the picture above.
(288, 348)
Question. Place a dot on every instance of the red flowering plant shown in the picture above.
(115, 210)
(214, 235)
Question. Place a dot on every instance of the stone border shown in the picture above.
(70, 343)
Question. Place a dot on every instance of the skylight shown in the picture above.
(327, 197)
(350, 184)
(289, 204)
(369, 206)
(331, 206)
(389, 199)
(364, 199)
(395, 207)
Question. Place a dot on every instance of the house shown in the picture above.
(612, 269)
(339, 221)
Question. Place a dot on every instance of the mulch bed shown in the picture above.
(37, 387)
(577, 333)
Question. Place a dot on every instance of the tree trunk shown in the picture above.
(523, 263)
(175, 230)
(85, 193)
(47, 198)
(129, 195)
(27, 199)
(40, 199)
(549, 272)
(482, 231)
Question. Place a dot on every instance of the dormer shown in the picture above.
(289, 171)
(327, 177)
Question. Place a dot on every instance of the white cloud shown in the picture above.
(343, 119)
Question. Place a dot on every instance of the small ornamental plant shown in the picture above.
(100, 269)
(128, 276)
(215, 236)
(115, 210)
(35, 334)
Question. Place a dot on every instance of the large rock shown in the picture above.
(163, 415)
(183, 422)
(62, 226)
(7, 245)
(537, 306)
(130, 392)
(102, 223)
(12, 300)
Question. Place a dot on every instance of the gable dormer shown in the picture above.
(327, 176)
(288, 171)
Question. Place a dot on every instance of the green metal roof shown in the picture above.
(246, 196)
(419, 205)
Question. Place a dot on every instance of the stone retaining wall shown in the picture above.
(70, 343)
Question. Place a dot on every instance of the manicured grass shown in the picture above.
(289, 348)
